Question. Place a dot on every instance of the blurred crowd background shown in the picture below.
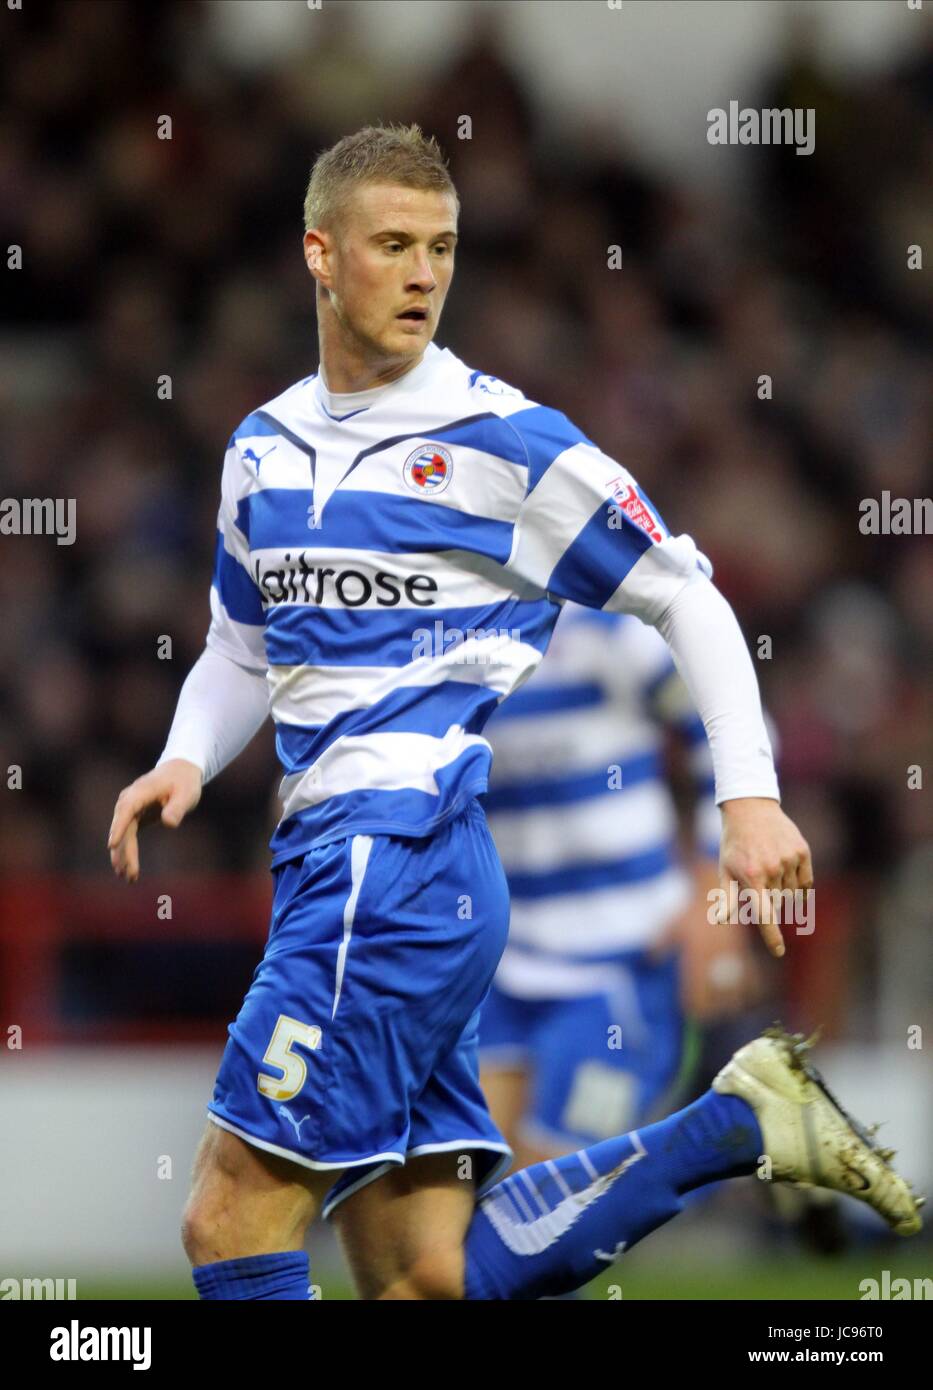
(144, 257)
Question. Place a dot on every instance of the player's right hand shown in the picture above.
(719, 974)
(175, 786)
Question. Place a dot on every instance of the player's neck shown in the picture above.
(347, 369)
(341, 382)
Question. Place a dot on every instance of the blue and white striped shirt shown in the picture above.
(580, 804)
(397, 571)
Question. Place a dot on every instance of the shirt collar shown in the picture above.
(339, 404)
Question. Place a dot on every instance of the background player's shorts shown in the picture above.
(356, 1045)
(597, 1065)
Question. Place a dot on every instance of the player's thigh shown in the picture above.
(402, 1235)
(272, 1199)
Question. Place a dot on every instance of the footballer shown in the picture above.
(398, 489)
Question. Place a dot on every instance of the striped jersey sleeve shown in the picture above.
(586, 531)
(237, 622)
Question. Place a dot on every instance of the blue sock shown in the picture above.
(556, 1225)
(283, 1275)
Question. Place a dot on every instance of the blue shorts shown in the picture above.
(356, 1046)
(597, 1065)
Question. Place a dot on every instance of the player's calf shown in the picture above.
(436, 1277)
(403, 1234)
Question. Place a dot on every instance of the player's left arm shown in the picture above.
(587, 532)
(761, 848)
(719, 971)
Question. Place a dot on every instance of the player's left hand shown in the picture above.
(761, 848)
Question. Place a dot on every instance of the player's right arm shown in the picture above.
(224, 700)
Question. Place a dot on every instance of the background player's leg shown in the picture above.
(402, 1235)
(597, 1065)
(246, 1203)
(506, 1092)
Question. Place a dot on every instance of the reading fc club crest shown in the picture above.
(428, 470)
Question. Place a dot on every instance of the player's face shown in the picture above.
(388, 266)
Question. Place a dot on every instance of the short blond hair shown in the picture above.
(377, 154)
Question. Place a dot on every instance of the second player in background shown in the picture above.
(590, 1026)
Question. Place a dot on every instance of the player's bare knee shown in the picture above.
(204, 1231)
(220, 1223)
(193, 1234)
(217, 1188)
(245, 1202)
(204, 1223)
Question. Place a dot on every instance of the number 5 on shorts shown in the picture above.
(288, 1031)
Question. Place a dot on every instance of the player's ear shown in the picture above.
(316, 249)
